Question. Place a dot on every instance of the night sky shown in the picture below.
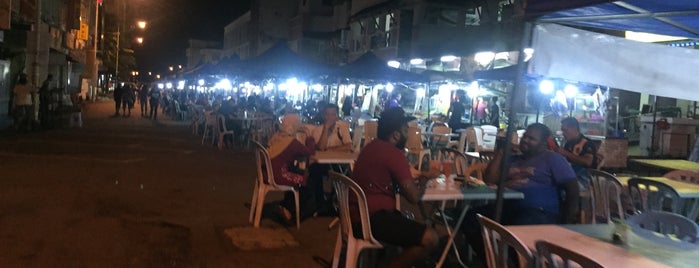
(173, 22)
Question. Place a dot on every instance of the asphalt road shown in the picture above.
(127, 192)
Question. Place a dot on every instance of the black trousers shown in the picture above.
(154, 109)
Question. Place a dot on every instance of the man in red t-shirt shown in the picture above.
(380, 167)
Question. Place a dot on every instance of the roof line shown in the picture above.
(662, 19)
(656, 15)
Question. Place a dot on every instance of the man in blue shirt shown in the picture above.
(545, 177)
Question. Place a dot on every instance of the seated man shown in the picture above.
(380, 168)
(333, 134)
(538, 173)
(580, 151)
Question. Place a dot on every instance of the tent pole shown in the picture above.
(427, 93)
(651, 149)
(518, 93)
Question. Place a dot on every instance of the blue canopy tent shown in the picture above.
(604, 59)
(281, 62)
(371, 67)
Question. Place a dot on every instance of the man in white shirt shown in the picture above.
(334, 133)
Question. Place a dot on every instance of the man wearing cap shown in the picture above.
(381, 168)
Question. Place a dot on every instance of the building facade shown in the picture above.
(41, 37)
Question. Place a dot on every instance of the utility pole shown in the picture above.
(37, 45)
(118, 44)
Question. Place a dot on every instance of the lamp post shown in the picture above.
(141, 25)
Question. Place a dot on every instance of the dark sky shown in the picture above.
(173, 22)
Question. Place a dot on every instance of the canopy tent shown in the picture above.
(230, 64)
(435, 76)
(226, 65)
(675, 18)
(371, 67)
(508, 73)
(569, 53)
(281, 62)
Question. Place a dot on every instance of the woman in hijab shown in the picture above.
(284, 149)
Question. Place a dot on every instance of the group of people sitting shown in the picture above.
(548, 177)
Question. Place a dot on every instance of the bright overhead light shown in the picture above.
(317, 87)
(168, 85)
(202, 82)
(650, 38)
(484, 58)
(389, 87)
(394, 64)
(528, 53)
(224, 84)
(448, 58)
(570, 91)
(546, 87)
(417, 61)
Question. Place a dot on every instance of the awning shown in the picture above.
(667, 17)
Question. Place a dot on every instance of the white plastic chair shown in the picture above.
(345, 236)
(264, 184)
(497, 241)
(223, 130)
(660, 225)
(414, 146)
(370, 131)
(357, 138)
(551, 255)
(438, 140)
(606, 191)
(474, 139)
(209, 127)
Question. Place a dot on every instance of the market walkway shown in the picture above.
(124, 192)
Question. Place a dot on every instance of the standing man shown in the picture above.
(143, 99)
(24, 112)
(494, 112)
(457, 109)
(44, 100)
(579, 150)
(118, 94)
(154, 102)
(381, 168)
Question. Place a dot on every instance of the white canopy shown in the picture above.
(568, 53)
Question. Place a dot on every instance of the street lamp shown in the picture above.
(141, 25)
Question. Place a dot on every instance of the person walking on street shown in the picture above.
(154, 103)
(44, 100)
(127, 99)
(23, 102)
(143, 99)
(118, 93)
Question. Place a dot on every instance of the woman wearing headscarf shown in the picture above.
(284, 149)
